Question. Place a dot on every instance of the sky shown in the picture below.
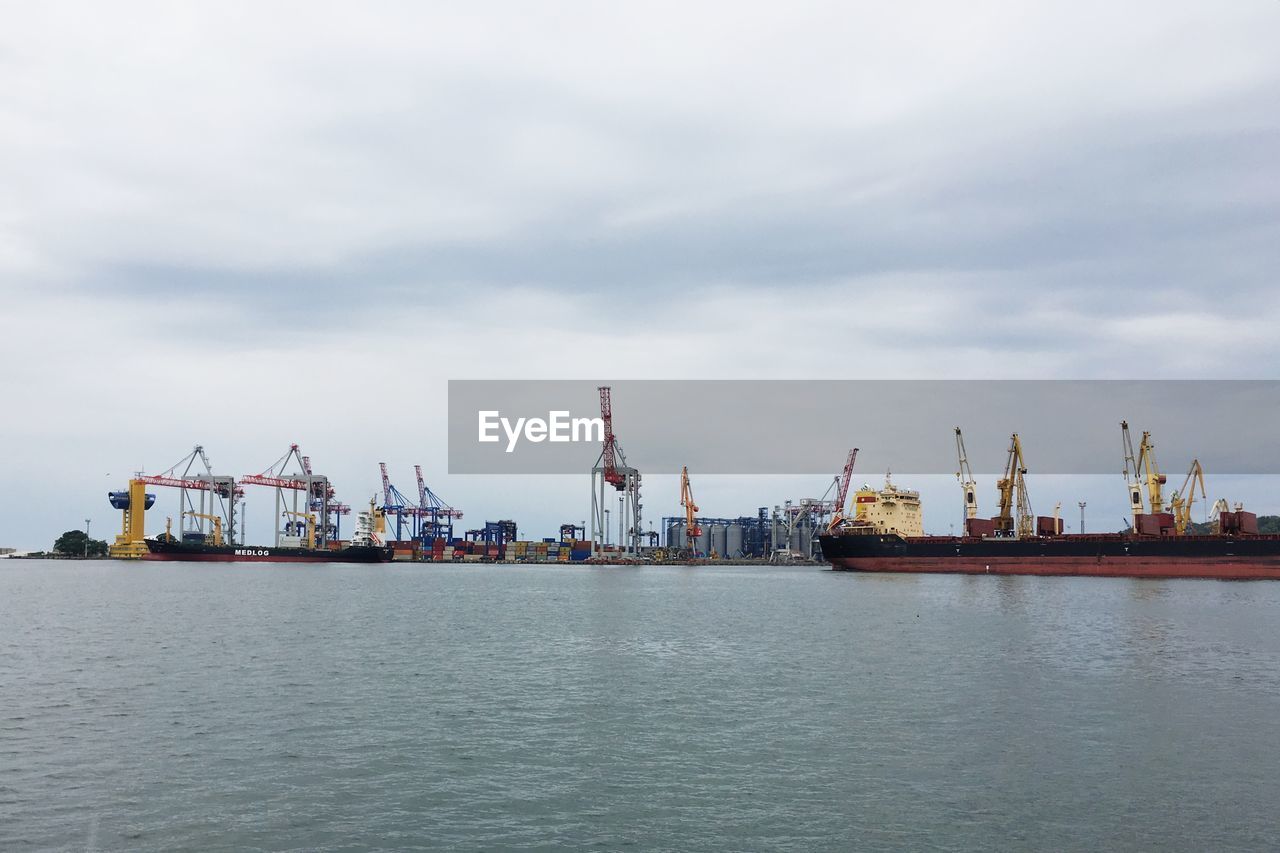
(244, 227)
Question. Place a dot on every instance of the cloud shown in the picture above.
(247, 228)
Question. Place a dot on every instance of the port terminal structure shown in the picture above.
(303, 497)
(427, 519)
(204, 499)
(209, 504)
(611, 471)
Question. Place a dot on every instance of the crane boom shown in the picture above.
(1182, 501)
(965, 475)
(609, 455)
(1151, 472)
(1014, 481)
(842, 493)
(691, 529)
(1131, 473)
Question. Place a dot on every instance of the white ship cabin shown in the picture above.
(889, 510)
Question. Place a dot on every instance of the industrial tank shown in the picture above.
(733, 541)
(675, 535)
(704, 541)
(717, 539)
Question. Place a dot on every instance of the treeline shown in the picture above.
(76, 543)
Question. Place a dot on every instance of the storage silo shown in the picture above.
(717, 539)
(805, 529)
(675, 535)
(704, 542)
(733, 541)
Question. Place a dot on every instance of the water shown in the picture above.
(185, 707)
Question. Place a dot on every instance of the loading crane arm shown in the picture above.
(842, 493)
(691, 529)
(965, 475)
(1185, 497)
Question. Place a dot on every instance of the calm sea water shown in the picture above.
(487, 708)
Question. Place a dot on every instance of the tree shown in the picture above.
(72, 543)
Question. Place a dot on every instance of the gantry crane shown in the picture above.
(691, 529)
(333, 529)
(1184, 498)
(437, 516)
(192, 473)
(965, 475)
(1014, 481)
(1142, 470)
(395, 503)
(842, 492)
(611, 469)
(314, 489)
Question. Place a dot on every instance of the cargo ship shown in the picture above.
(366, 546)
(885, 534)
(159, 549)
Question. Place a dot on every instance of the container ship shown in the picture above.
(885, 532)
(366, 545)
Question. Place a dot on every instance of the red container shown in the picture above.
(1047, 525)
(979, 527)
(1155, 524)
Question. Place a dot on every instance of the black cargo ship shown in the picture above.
(160, 549)
(1116, 555)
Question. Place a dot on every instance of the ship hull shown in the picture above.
(1251, 558)
(190, 553)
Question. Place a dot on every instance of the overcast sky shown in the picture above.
(243, 225)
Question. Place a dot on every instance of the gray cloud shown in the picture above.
(362, 202)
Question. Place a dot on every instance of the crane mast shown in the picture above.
(609, 454)
(965, 476)
(691, 529)
(1151, 472)
(842, 493)
(1184, 498)
(1141, 470)
(1131, 473)
(1013, 484)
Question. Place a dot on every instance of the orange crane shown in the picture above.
(691, 529)
(842, 493)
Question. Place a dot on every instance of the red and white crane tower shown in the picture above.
(311, 495)
(842, 493)
(611, 470)
(217, 495)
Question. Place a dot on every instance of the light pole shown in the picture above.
(622, 540)
(607, 529)
(86, 537)
(1082, 503)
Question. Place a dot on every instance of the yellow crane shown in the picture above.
(1012, 482)
(691, 529)
(965, 475)
(310, 518)
(1144, 471)
(1184, 498)
(214, 538)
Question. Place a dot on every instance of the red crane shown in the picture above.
(609, 457)
(842, 494)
